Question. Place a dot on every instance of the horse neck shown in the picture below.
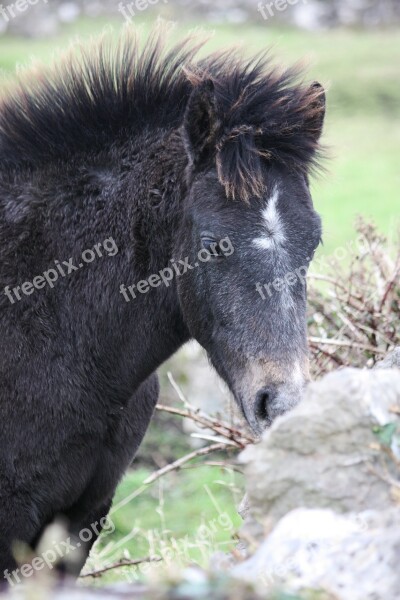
(153, 196)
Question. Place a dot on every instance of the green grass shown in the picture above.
(364, 178)
(184, 517)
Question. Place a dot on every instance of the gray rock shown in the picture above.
(324, 481)
(324, 453)
(392, 361)
(352, 557)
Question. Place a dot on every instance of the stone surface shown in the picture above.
(324, 453)
(392, 361)
(325, 483)
(352, 557)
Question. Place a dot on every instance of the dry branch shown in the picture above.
(354, 319)
(223, 429)
(228, 436)
(175, 466)
(123, 562)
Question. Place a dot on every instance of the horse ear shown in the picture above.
(200, 123)
(317, 109)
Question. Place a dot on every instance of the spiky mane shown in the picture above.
(98, 94)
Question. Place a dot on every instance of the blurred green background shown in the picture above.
(361, 71)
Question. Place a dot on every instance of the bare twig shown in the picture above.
(389, 452)
(330, 355)
(175, 466)
(212, 438)
(337, 284)
(179, 392)
(221, 464)
(221, 428)
(228, 436)
(121, 563)
(345, 343)
(386, 478)
(389, 288)
(354, 317)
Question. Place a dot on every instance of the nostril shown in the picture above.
(263, 400)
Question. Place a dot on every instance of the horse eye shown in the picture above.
(212, 246)
(315, 250)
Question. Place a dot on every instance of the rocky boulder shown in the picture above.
(323, 489)
(392, 361)
(351, 557)
(336, 449)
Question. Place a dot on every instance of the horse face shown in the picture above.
(250, 211)
(244, 299)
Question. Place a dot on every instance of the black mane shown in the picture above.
(100, 94)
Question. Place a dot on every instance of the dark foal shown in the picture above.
(126, 147)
